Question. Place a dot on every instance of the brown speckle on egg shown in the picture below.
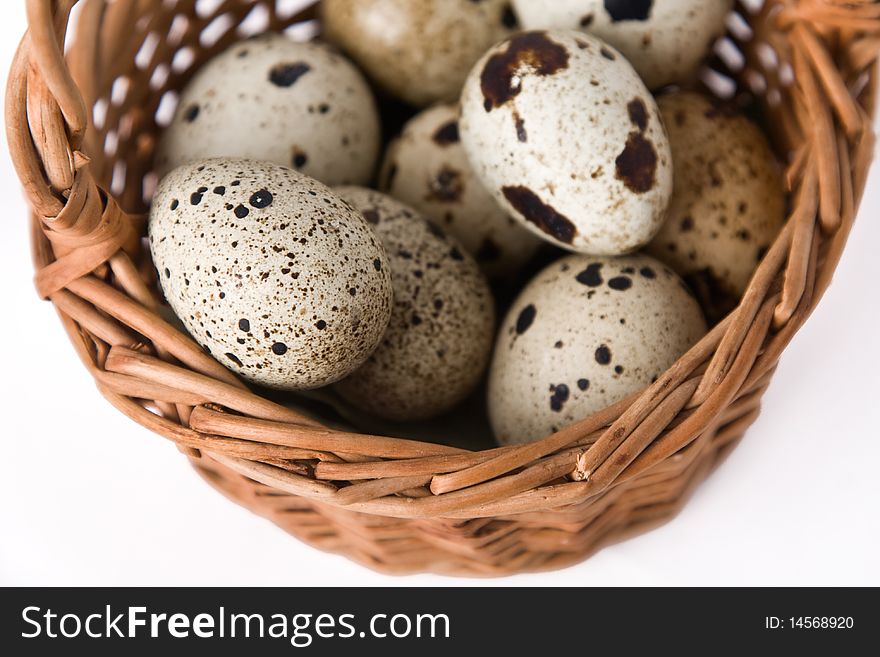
(446, 134)
(261, 199)
(560, 394)
(286, 74)
(299, 158)
(527, 53)
(521, 133)
(541, 214)
(447, 186)
(525, 319)
(628, 10)
(191, 113)
(620, 283)
(636, 165)
(638, 113)
(591, 276)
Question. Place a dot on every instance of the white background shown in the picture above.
(87, 497)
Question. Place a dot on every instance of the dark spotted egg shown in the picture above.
(427, 168)
(665, 40)
(301, 105)
(586, 332)
(438, 341)
(728, 203)
(271, 272)
(561, 130)
(417, 50)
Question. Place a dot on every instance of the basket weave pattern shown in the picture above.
(82, 128)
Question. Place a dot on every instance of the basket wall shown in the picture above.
(82, 129)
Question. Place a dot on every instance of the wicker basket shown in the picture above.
(82, 129)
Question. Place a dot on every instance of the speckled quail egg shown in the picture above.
(427, 168)
(271, 272)
(561, 130)
(417, 50)
(728, 202)
(665, 40)
(297, 104)
(585, 333)
(438, 341)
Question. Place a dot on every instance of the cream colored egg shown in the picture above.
(561, 130)
(665, 40)
(427, 168)
(438, 341)
(301, 105)
(271, 272)
(417, 50)
(585, 333)
(728, 203)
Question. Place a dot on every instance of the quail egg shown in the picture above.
(297, 104)
(417, 50)
(437, 344)
(561, 130)
(665, 40)
(728, 202)
(585, 333)
(427, 168)
(270, 271)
